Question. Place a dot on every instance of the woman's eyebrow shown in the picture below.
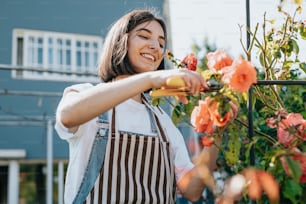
(149, 31)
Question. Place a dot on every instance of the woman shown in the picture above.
(146, 159)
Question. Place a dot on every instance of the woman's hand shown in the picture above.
(194, 82)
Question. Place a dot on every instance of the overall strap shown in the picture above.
(155, 120)
(94, 165)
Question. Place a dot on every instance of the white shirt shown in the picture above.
(131, 116)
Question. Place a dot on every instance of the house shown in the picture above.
(44, 47)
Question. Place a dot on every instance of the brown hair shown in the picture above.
(114, 60)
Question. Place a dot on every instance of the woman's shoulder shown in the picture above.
(78, 87)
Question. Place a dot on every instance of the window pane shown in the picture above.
(19, 51)
(68, 57)
(68, 43)
(40, 56)
(59, 42)
(78, 44)
(60, 57)
(59, 52)
(31, 51)
(79, 58)
(40, 41)
(50, 52)
(95, 58)
(68, 53)
(95, 45)
(87, 59)
(50, 56)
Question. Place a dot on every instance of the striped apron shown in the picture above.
(136, 169)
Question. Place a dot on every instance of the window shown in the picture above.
(55, 56)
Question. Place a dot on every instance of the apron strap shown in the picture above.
(113, 125)
(91, 173)
(155, 119)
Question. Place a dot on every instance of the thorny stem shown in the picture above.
(242, 45)
(265, 45)
(262, 97)
(255, 38)
(268, 137)
(268, 69)
(248, 51)
(252, 43)
(278, 99)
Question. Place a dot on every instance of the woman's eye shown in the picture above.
(144, 36)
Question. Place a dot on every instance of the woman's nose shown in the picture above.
(154, 44)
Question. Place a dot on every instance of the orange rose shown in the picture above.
(190, 61)
(200, 117)
(240, 76)
(216, 117)
(218, 60)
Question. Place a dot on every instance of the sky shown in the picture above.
(219, 22)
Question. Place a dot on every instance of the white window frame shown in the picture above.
(73, 72)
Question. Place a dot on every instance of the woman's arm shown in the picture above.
(90, 103)
(193, 183)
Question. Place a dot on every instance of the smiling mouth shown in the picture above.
(148, 56)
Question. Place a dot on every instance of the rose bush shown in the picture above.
(278, 145)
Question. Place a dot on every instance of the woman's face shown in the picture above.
(146, 45)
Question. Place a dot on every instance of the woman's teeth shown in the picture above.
(149, 57)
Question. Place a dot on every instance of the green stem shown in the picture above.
(252, 43)
(262, 98)
(271, 139)
(265, 44)
(241, 42)
(278, 99)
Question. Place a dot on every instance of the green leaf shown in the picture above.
(277, 54)
(303, 66)
(288, 64)
(294, 45)
(270, 37)
(155, 101)
(233, 150)
(294, 167)
(303, 32)
(262, 60)
(176, 115)
(188, 108)
(292, 190)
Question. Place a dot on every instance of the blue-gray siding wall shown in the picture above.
(70, 16)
